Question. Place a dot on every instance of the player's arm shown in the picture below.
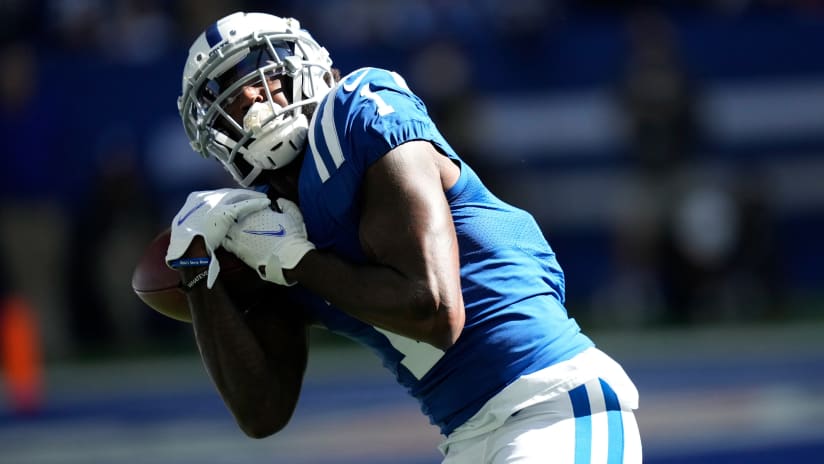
(412, 286)
(256, 358)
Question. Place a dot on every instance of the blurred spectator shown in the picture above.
(657, 99)
(718, 255)
(701, 236)
(109, 231)
(32, 218)
(758, 269)
(633, 295)
(657, 95)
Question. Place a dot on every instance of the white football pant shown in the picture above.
(592, 423)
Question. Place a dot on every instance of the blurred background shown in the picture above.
(673, 153)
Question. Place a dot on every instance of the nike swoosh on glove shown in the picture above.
(270, 241)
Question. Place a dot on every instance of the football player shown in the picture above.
(392, 240)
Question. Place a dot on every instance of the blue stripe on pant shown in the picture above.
(582, 409)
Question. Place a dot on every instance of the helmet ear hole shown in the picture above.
(243, 166)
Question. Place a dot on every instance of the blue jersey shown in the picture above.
(513, 287)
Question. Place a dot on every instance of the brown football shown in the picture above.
(159, 286)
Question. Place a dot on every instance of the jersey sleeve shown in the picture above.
(370, 112)
(383, 113)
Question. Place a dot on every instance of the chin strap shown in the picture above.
(277, 142)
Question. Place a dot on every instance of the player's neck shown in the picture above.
(283, 182)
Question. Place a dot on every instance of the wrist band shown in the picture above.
(199, 278)
(190, 262)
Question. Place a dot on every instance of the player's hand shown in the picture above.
(209, 214)
(270, 241)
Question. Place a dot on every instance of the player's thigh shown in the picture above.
(553, 433)
(534, 437)
(536, 434)
(469, 451)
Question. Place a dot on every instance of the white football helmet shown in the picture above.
(245, 49)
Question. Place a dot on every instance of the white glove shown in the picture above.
(209, 214)
(269, 241)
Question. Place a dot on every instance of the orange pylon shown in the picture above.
(21, 354)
